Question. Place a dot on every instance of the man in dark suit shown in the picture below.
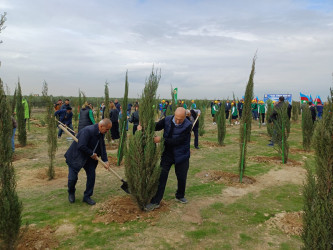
(83, 154)
(177, 137)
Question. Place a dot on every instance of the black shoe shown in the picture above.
(197, 147)
(71, 198)
(89, 201)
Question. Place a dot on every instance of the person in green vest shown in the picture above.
(234, 113)
(184, 105)
(26, 109)
(254, 108)
(262, 111)
(193, 105)
(215, 108)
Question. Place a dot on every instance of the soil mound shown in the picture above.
(224, 177)
(35, 238)
(274, 160)
(210, 144)
(123, 209)
(113, 160)
(111, 146)
(290, 223)
(59, 173)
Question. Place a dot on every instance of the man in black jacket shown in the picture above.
(177, 136)
(83, 154)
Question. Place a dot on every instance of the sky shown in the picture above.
(204, 48)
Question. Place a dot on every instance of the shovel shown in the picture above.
(124, 186)
(65, 126)
(194, 122)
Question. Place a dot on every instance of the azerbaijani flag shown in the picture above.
(310, 99)
(318, 101)
(304, 98)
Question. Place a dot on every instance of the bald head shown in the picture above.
(104, 125)
(180, 115)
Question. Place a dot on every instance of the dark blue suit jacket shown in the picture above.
(90, 141)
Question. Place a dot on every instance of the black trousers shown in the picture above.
(262, 117)
(90, 168)
(196, 136)
(135, 128)
(227, 115)
(115, 131)
(181, 170)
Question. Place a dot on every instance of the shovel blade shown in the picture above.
(124, 187)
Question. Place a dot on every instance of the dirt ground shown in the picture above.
(275, 160)
(123, 209)
(224, 177)
(289, 223)
(37, 239)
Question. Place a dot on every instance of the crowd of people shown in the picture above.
(177, 129)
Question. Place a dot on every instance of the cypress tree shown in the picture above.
(51, 132)
(10, 206)
(171, 109)
(143, 155)
(21, 126)
(248, 96)
(202, 121)
(80, 99)
(307, 128)
(294, 111)
(122, 126)
(246, 120)
(107, 107)
(14, 102)
(268, 114)
(318, 190)
(75, 113)
(281, 132)
(221, 124)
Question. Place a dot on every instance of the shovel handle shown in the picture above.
(194, 122)
(98, 158)
(65, 126)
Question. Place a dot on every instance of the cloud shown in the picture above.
(205, 48)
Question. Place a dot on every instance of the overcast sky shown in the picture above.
(205, 48)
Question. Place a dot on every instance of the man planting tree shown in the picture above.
(176, 136)
(83, 154)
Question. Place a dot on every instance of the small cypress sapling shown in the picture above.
(14, 102)
(107, 107)
(75, 113)
(80, 99)
(318, 190)
(10, 206)
(245, 122)
(247, 111)
(268, 114)
(307, 128)
(221, 124)
(122, 142)
(173, 105)
(201, 120)
(281, 127)
(21, 126)
(294, 111)
(51, 133)
(142, 157)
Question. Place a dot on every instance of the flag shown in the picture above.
(304, 98)
(310, 99)
(175, 93)
(318, 101)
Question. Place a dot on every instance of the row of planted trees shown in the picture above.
(10, 205)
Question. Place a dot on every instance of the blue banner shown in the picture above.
(275, 97)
